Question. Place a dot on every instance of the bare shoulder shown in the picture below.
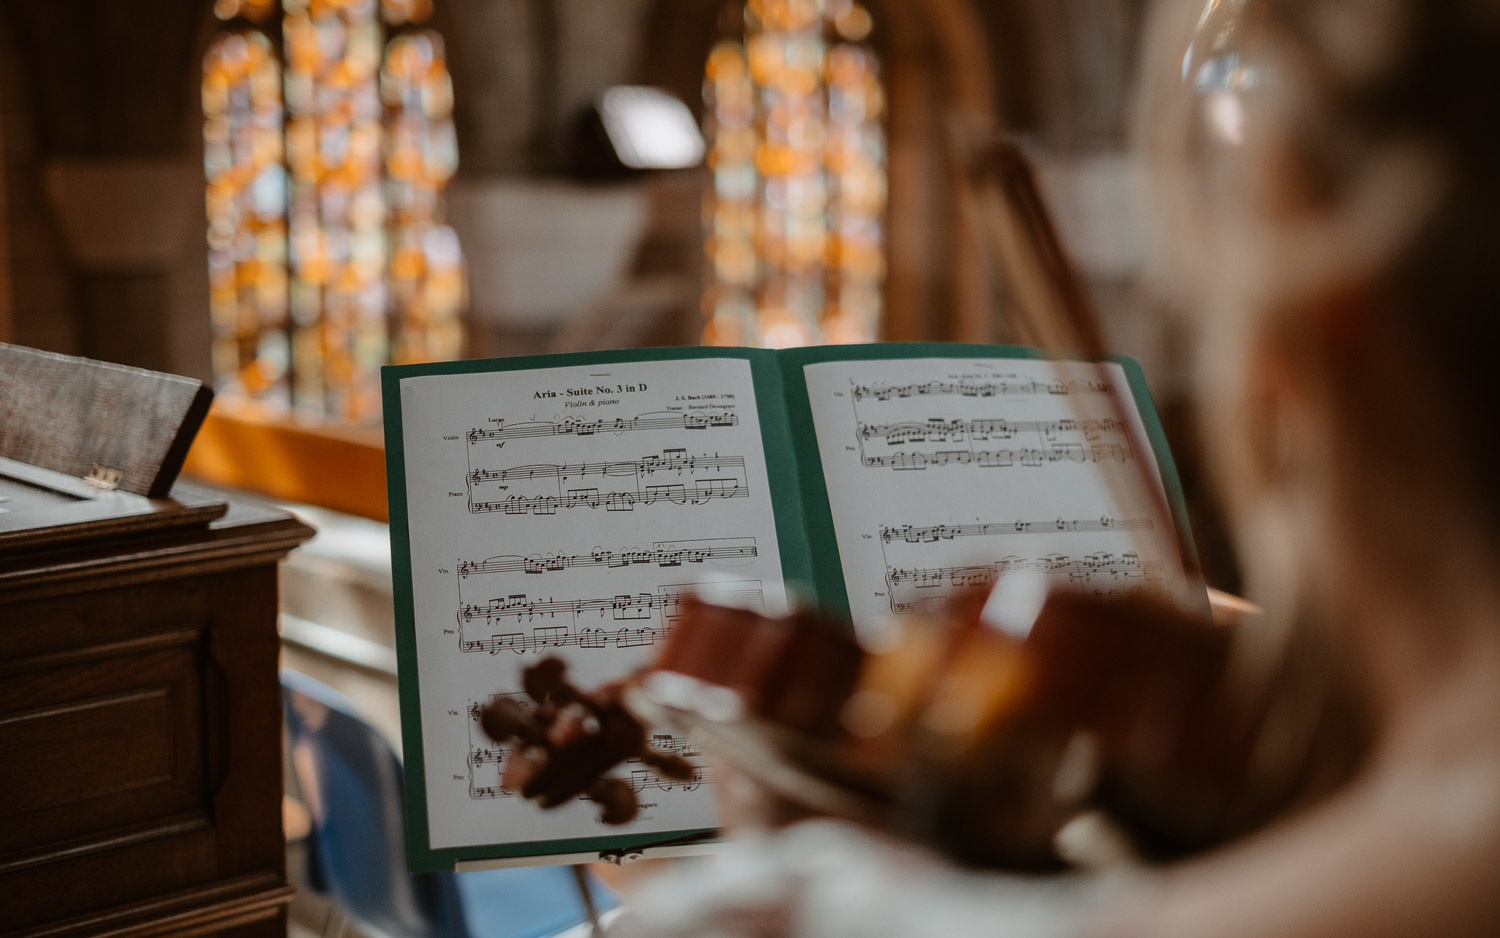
(1412, 848)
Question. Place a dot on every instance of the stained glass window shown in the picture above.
(328, 256)
(246, 204)
(425, 275)
(795, 218)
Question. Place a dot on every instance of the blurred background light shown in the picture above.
(650, 129)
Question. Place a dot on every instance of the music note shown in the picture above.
(660, 554)
(924, 588)
(1028, 457)
(674, 477)
(635, 620)
(939, 430)
(980, 389)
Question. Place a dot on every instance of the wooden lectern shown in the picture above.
(140, 710)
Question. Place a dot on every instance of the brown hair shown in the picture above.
(1303, 147)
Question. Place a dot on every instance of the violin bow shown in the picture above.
(1052, 309)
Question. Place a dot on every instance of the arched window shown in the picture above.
(325, 169)
(246, 204)
(795, 219)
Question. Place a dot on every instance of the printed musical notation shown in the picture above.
(914, 534)
(937, 430)
(932, 568)
(1103, 565)
(563, 510)
(623, 621)
(1062, 440)
(669, 461)
(1044, 442)
(1030, 457)
(884, 445)
(661, 554)
(623, 485)
(981, 389)
(696, 494)
(574, 426)
(547, 638)
(1096, 574)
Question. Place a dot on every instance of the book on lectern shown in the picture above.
(562, 505)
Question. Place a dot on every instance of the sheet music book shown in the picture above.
(562, 505)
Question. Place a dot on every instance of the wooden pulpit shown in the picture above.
(140, 710)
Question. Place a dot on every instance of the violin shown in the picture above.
(996, 731)
(978, 733)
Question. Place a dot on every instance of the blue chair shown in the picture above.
(351, 780)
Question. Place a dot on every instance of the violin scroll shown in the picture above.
(565, 743)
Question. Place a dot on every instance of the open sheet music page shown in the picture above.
(563, 511)
(563, 505)
(945, 473)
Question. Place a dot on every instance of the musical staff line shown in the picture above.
(670, 461)
(914, 589)
(573, 426)
(937, 430)
(914, 534)
(560, 636)
(1126, 566)
(981, 389)
(697, 494)
(1029, 457)
(626, 484)
(661, 554)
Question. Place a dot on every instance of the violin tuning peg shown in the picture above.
(616, 800)
(546, 681)
(669, 764)
(504, 719)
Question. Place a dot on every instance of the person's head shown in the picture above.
(1328, 174)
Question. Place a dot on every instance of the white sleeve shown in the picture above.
(826, 879)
